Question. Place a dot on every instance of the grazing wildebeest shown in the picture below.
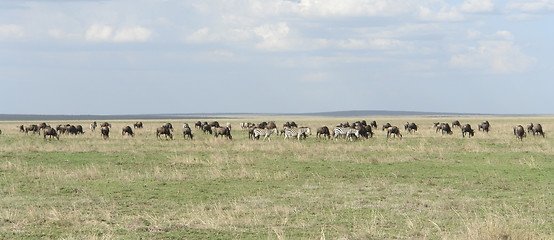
(79, 129)
(484, 126)
(105, 131)
(93, 126)
(50, 132)
(411, 127)
(467, 129)
(106, 124)
(445, 127)
(138, 125)
(127, 130)
(386, 126)
(187, 132)
(198, 125)
(271, 125)
(537, 129)
(519, 132)
(373, 124)
(456, 124)
(168, 126)
(323, 131)
(207, 129)
(393, 130)
(223, 131)
(33, 128)
(530, 128)
(42, 126)
(165, 131)
(71, 130)
(214, 124)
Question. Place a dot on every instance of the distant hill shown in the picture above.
(354, 113)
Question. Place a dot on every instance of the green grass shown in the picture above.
(423, 186)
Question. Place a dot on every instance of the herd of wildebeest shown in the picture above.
(349, 131)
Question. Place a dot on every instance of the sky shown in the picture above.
(276, 56)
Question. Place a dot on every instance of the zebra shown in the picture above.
(302, 131)
(264, 132)
(93, 126)
(348, 132)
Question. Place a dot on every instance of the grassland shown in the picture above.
(424, 186)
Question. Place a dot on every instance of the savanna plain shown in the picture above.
(423, 186)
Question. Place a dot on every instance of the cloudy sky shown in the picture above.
(276, 56)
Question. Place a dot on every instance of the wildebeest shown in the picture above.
(165, 130)
(373, 124)
(519, 132)
(393, 130)
(223, 131)
(484, 126)
(214, 124)
(386, 126)
(105, 131)
(93, 126)
(187, 132)
(138, 125)
(168, 126)
(410, 127)
(42, 126)
(445, 127)
(467, 129)
(127, 130)
(79, 129)
(207, 129)
(323, 131)
(50, 132)
(270, 125)
(537, 129)
(530, 128)
(32, 128)
(456, 124)
(198, 125)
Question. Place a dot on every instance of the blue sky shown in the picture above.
(276, 56)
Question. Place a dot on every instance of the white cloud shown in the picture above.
(499, 57)
(506, 35)
(445, 13)
(133, 34)
(99, 33)
(532, 6)
(104, 33)
(11, 31)
(477, 6)
(274, 36)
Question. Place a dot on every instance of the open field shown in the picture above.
(425, 185)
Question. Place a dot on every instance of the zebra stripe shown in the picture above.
(290, 132)
(264, 132)
(347, 132)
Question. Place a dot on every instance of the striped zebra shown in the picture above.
(264, 132)
(93, 126)
(292, 132)
(347, 132)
